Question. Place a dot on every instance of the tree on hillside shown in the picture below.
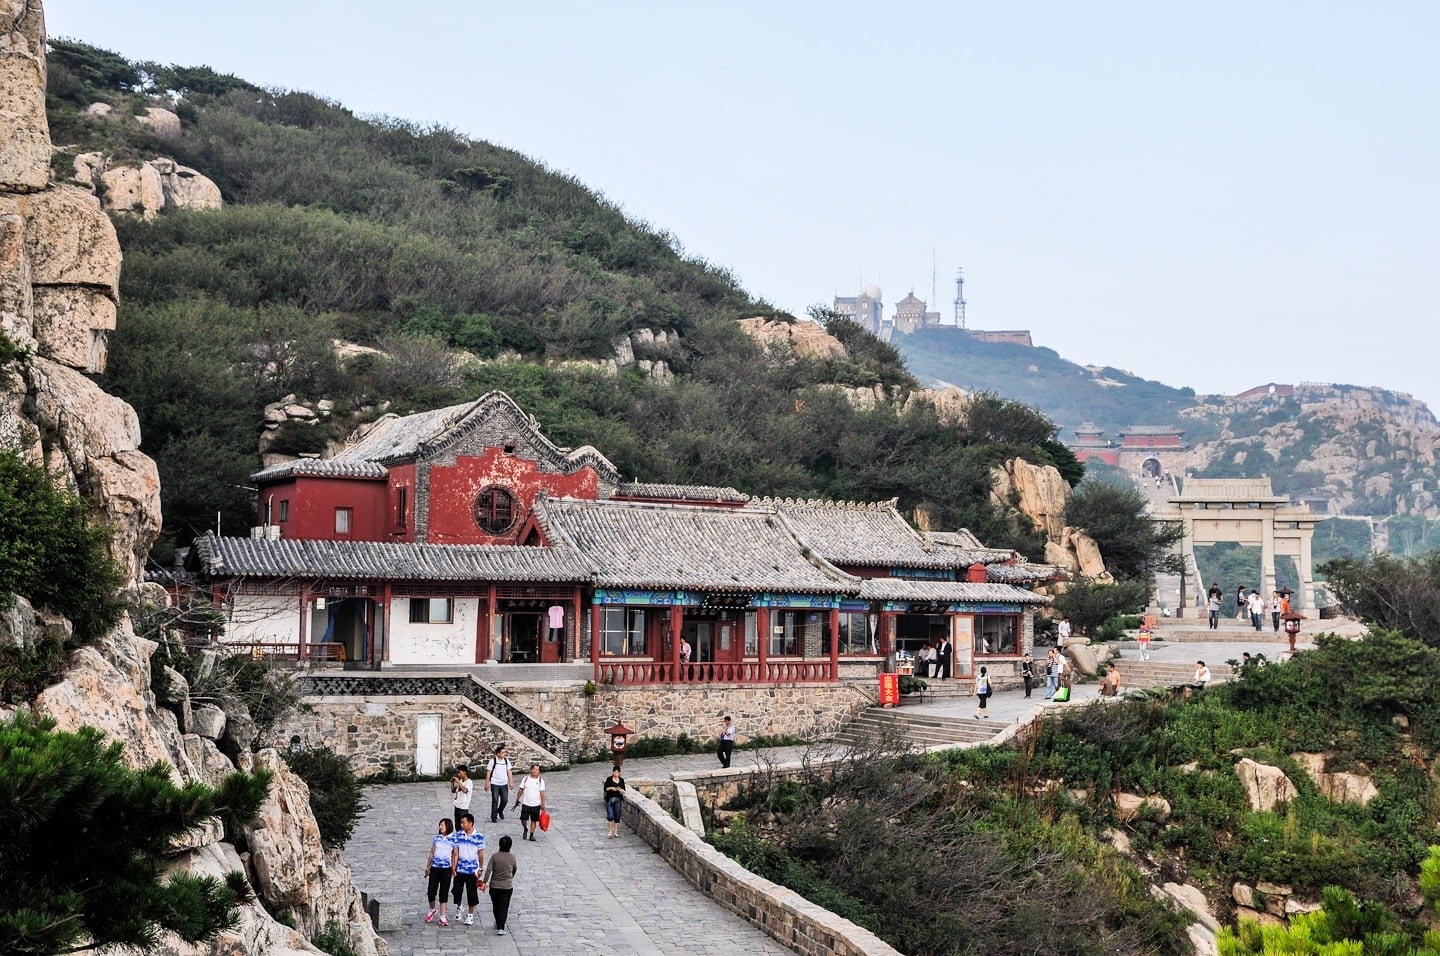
(84, 839)
(1133, 545)
(1401, 594)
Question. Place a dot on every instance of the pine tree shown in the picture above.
(84, 840)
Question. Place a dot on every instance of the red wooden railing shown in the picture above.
(782, 671)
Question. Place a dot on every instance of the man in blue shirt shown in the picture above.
(467, 859)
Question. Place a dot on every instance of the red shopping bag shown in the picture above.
(545, 820)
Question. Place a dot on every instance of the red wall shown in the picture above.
(1107, 456)
(1151, 441)
(313, 502)
(453, 489)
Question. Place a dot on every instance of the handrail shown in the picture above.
(471, 688)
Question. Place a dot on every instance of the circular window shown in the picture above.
(495, 510)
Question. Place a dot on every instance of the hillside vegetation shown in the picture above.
(469, 267)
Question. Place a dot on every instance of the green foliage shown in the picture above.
(10, 352)
(84, 839)
(910, 684)
(382, 232)
(1344, 926)
(1401, 594)
(1090, 604)
(53, 554)
(100, 73)
(336, 797)
(1134, 546)
(332, 940)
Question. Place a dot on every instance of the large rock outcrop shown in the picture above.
(1039, 494)
(804, 336)
(59, 277)
(146, 189)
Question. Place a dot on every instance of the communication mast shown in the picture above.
(960, 298)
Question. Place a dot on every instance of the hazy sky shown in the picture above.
(1214, 195)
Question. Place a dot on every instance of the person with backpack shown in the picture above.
(530, 798)
(982, 691)
(497, 782)
(1027, 673)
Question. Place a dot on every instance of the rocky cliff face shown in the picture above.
(59, 273)
(1352, 450)
(1039, 494)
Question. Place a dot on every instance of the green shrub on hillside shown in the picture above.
(53, 553)
(336, 796)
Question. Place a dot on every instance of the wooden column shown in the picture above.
(490, 617)
(595, 638)
(301, 651)
(762, 626)
(677, 624)
(386, 598)
(834, 643)
(572, 651)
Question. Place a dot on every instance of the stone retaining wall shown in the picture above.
(812, 711)
(788, 917)
(378, 730)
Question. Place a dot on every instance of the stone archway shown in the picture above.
(1151, 467)
(1244, 511)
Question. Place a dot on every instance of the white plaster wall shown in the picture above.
(452, 643)
(264, 618)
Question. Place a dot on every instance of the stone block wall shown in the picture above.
(788, 917)
(372, 730)
(812, 711)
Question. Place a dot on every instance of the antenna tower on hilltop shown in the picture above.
(960, 298)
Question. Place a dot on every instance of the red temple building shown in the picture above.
(461, 537)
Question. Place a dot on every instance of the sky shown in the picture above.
(1216, 195)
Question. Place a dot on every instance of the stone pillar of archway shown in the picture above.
(1306, 597)
(1267, 553)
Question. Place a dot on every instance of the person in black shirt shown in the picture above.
(614, 797)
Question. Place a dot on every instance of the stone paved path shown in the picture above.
(576, 891)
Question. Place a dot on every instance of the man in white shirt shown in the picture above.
(461, 786)
(497, 782)
(530, 798)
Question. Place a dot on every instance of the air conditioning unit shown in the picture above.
(265, 532)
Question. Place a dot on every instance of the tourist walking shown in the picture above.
(1027, 672)
(1052, 673)
(530, 798)
(1213, 605)
(614, 800)
(1256, 604)
(1275, 610)
(466, 859)
(1062, 632)
(1144, 641)
(461, 787)
(499, 882)
(725, 745)
(982, 691)
(1242, 603)
(439, 857)
(497, 782)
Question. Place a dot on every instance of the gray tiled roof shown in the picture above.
(1023, 572)
(900, 589)
(966, 549)
(380, 560)
(642, 489)
(688, 546)
(396, 438)
(869, 534)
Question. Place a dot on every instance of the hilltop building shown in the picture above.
(867, 308)
(1149, 450)
(912, 314)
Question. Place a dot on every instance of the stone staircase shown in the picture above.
(1140, 675)
(880, 725)
(1229, 632)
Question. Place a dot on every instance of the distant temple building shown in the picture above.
(1150, 450)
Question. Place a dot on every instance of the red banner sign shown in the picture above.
(889, 690)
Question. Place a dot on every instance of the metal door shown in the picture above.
(427, 744)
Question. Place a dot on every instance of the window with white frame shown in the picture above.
(432, 611)
(622, 631)
(855, 637)
(997, 633)
(342, 520)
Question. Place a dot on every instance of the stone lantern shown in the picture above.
(619, 736)
(1292, 627)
